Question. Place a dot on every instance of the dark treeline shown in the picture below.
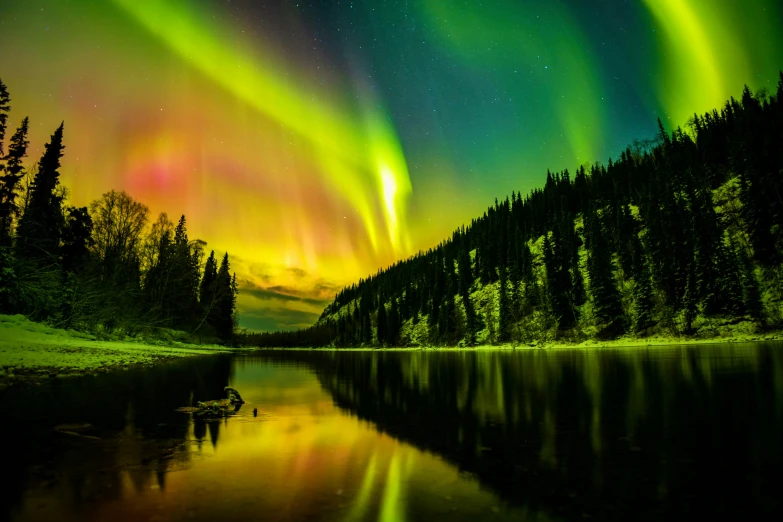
(676, 235)
(100, 268)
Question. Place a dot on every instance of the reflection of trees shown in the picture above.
(637, 435)
(133, 414)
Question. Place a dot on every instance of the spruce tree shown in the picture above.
(38, 234)
(76, 239)
(5, 107)
(383, 324)
(607, 305)
(10, 175)
(465, 282)
(206, 292)
(225, 289)
(730, 282)
(750, 289)
(504, 323)
(690, 299)
(393, 335)
(183, 293)
(643, 300)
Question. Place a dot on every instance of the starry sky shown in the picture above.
(318, 141)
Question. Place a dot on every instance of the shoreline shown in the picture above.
(32, 352)
(623, 342)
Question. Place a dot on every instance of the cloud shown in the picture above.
(297, 272)
(280, 292)
(277, 319)
(274, 298)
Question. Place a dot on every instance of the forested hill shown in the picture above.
(677, 236)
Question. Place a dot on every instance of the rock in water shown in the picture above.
(233, 395)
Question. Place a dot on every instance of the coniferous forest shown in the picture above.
(102, 268)
(676, 236)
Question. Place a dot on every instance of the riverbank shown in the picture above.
(742, 332)
(32, 351)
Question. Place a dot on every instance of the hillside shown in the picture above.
(682, 236)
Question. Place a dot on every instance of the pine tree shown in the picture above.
(643, 300)
(158, 280)
(750, 289)
(730, 282)
(504, 323)
(607, 305)
(393, 334)
(5, 107)
(206, 292)
(76, 240)
(225, 289)
(559, 281)
(38, 234)
(689, 300)
(183, 291)
(10, 174)
(465, 282)
(383, 324)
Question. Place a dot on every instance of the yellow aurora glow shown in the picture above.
(365, 164)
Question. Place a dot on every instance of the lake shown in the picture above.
(675, 433)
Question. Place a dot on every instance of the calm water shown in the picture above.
(642, 434)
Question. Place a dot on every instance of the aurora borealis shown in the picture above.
(319, 141)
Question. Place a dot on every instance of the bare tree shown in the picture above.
(118, 222)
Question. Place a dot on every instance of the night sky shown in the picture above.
(317, 142)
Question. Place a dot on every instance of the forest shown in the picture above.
(679, 234)
(103, 268)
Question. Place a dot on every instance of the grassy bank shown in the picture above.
(34, 351)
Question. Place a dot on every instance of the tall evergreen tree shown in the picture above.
(465, 282)
(39, 229)
(505, 318)
(5, 107)
(750, 289)
(690, 299)
(393, 334)
(607, 305)
(76, 239)
(206, 291)
(383, 324)
(10, 175)
(183, 291)
(643, 300)
(225, 288)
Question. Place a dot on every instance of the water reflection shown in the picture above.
(634, 434)
(391, 436)
(130, 435)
